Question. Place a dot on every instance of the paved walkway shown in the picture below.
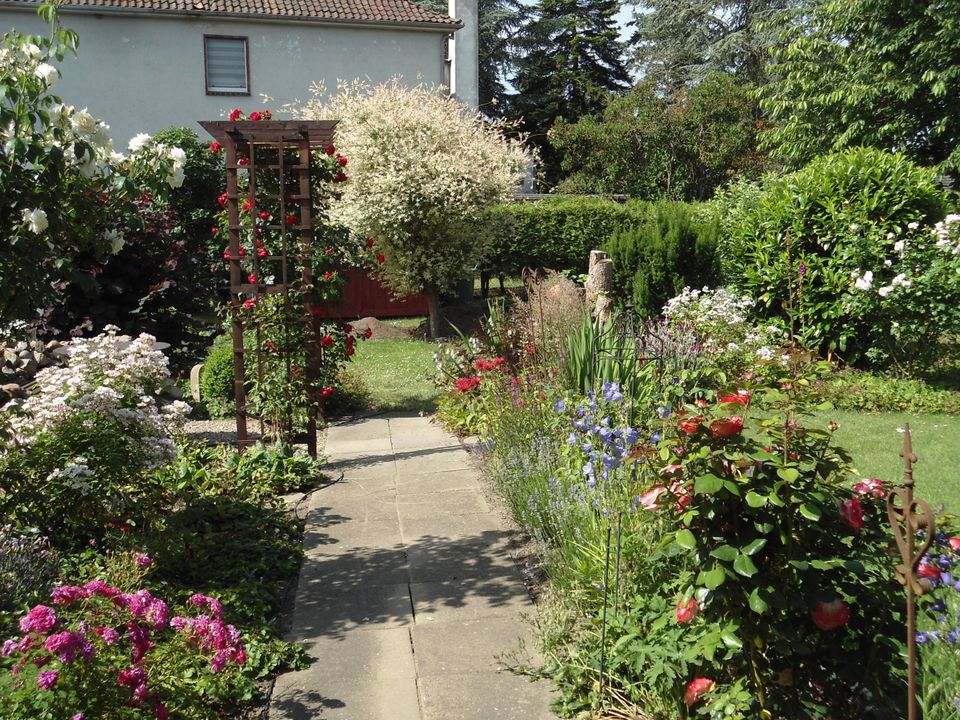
(407, 594)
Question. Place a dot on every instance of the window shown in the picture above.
(225, 65)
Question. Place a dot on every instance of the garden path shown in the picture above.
(408, 596)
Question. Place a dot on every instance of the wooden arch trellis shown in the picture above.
(276, 158)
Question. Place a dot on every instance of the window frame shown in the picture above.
(246, 65)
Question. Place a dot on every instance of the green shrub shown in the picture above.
(216, 378)
(674, 247)
(846, 243)
(854, 390)
(557, 233)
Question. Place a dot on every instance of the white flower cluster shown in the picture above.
(721, 319)
(172, 159)
(74, 475)
(108, 377)
(947, 232)
(864, 281)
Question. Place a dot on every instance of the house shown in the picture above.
(144, 65)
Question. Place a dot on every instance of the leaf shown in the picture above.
(731, 641)
(810, 511)
(788, 474)
(707, 484)
(754, 547)
(744, 566)
(757, 603)
(755, 500)
(726, 553)
(685, 539)
(712, 578)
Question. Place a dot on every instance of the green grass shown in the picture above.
(397, 374)
(874, 442)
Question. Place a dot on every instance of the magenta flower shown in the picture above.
(68, 594)
(132, 677)
(109, 635)
(99, 587)
(143, 560)
(48, 679)
(40, 619)
(64, 645)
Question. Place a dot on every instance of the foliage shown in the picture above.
(162, 277)
(867, 72)
(650, 146)
(256, 475)
(28, 569)
(83, 443)
(571, 60)
(728, 206)
(939, 629)
(66, 192)
(394, 375)
(424, 174)
(680, 43)
(845, 248)
(675, 247)
(216, 378)
(108, 651)
(864, 391)
(558, 233)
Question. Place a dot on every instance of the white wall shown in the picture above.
(466, 52)
(142, 74)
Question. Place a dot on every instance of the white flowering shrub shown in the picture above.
(81, 450)
(65, 189)
(728, 337)
(424, 174)
(848, 251)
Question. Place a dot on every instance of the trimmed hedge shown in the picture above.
(216, 378)
(674, 247)
(556, 233)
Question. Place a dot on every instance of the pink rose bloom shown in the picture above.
(954, 543)
(40, 619)
(64, 645)
(68, 594)
(871, 486)
(649, 499)
(132, 677)
(696, 688)
(99, 587)
(831, 615)
(851, 512)
(143, 560)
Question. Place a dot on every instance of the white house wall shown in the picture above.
(144, 73)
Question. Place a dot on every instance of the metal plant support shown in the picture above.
(243, 142)
(907, 515)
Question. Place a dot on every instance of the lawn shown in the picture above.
(397, 374)
(874, 441)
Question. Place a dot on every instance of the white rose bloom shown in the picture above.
(885, 290)
(83, 122)
(175, 179)
(138, 141)
(46, 72)
(913, 225)
(865, 282)
(32, 51)
(35, 220)
(178, 156)
(899, 245)
(116, 240)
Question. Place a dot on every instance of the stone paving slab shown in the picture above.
(408, 594)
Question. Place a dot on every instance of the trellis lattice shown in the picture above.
(269, 164)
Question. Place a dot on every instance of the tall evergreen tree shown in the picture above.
(572, 60)
(679, 42)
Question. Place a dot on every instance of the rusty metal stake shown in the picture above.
(912, 520)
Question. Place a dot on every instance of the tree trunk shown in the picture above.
(433, 303)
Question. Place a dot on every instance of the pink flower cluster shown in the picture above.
(46, 641)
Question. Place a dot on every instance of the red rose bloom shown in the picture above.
(350, 350)
(851, 512)
(290, 219)
(248, 304)
(339, 177)
(369, 242)
(342, 161)
(215, 147)
(696, 688)
(252, 277)
(831, 615)
(348, 328)
(742, 397)
(255, 115)
(368, 333)
(261, 252)
(236, 114)
(381, 259)
(264, 215)
(686, 612)
(222, 199)
(331, 149)
(226, 254)
(954, 543)
(328, 275)
(725, 428)
(327, 391)
(928, 570)
(870, 486)
(242, 252)
(246, 205)
(692, 425)
(243, 162)
(326, 341)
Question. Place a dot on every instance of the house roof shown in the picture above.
(364, 12)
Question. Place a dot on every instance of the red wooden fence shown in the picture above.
(365, 297)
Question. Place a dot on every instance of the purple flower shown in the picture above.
(143, 560)
(47, 679)
(560, 406)
(64, 645)
(802, 269)
(68, 594)
(663, 412)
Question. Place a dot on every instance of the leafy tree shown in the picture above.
(423, 175)
(650, 147)
(679, 42)
(868, 72)
(572, 60)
